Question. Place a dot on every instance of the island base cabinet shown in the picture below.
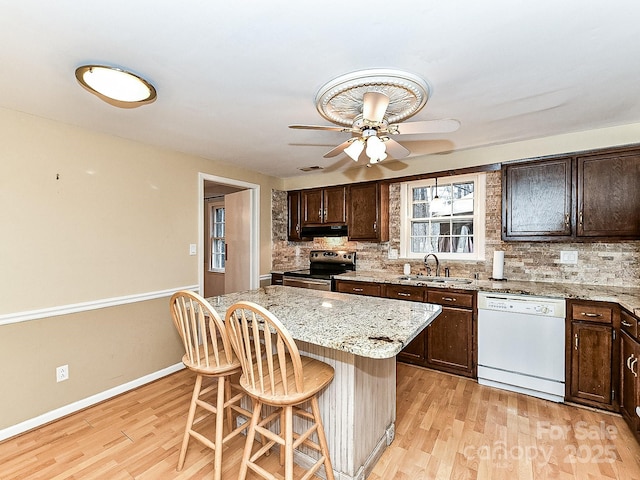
(450, 342)
(358, 410)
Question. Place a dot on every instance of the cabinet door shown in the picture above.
(536, 201)
(629, 350)
(450, 341)
(312, 206)
(293, 207)
(334, 206)
(591, 364)
(415, 351)
(609, 195)
(368, 212)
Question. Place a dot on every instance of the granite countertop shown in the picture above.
(366, 326)
(628, 298)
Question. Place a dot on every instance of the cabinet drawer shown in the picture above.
(404, 292)
(359, 288)
(629, 324)
(450, 298)
(591, 313)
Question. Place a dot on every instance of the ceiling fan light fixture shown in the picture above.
(376, 150)
(116, 86)
(355, 149)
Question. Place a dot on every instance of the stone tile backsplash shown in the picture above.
(612, 263)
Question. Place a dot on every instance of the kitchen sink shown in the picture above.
(443, 280)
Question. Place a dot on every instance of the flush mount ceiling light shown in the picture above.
(116, 86)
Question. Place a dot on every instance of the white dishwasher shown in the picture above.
(521, 344)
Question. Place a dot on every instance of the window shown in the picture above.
(216, 237)
(451, 227)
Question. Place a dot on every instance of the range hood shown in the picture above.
(324, 231)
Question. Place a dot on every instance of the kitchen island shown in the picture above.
(359, 337)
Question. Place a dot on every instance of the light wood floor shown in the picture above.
(447, 428)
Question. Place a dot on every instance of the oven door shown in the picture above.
(312, 283)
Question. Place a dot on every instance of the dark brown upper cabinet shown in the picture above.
(591, 195)
(324, 206)
(368, 212)
(293, 210)
(609, 195)
(536, 200)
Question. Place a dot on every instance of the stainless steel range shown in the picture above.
(323, 265)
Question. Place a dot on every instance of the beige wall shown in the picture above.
(87, 217)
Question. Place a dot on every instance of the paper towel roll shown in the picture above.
(498, 265)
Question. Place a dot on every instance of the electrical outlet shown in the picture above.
(62, 373)
(569, 257)
(392, 254)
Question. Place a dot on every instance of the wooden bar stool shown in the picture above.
(208, 353)
(274, 373)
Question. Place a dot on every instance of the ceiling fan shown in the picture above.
(371, 105)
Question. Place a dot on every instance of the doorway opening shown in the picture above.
(228, 215)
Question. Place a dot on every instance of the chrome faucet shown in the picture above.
(426, 257)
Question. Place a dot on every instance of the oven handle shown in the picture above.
(297, 281)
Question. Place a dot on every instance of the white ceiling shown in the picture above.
(232, 75)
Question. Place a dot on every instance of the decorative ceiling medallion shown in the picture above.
(340, 100)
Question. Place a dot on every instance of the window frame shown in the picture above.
(479, 206)
(213, 206)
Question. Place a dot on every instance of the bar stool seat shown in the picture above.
(209, 354)
(275, 374)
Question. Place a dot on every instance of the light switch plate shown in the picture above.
(569, 257)
(192, 249)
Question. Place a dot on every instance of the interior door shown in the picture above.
(238, 233)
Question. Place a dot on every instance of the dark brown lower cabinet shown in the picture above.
(592, 352)
(629, 370)
(591, 363)
(450, 342)
(415, 352)
(447, 344)
(629, 392)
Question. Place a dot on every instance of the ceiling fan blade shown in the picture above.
(374, 106)
(395, 149)
(427, 126)
(322, 127)
(338, 150)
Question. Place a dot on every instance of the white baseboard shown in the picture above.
(84, 403)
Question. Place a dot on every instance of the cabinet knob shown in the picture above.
(580, 218)
(576, 341)
(566, 220)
